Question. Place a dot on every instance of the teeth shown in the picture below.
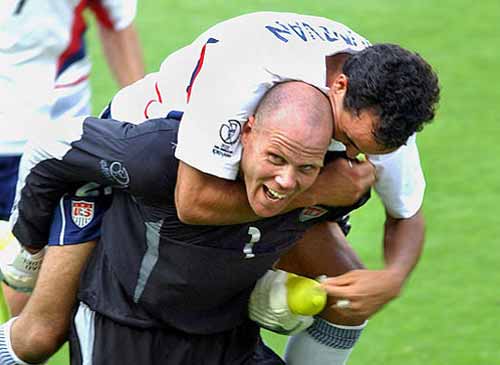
(275, 194)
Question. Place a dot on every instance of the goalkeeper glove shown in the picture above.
(285, 303)
(18, 267)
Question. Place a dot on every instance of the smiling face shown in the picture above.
(284, 146)
(279, 164)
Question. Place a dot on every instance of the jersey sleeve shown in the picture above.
(238, 61)
(114, 14)
(138, 101)
(400, 181)
(107, 152)
(219, 101)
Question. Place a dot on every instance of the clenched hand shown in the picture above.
(366, 290)
(343, 182)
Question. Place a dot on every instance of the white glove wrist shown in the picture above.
(18, 267)
(269, 306)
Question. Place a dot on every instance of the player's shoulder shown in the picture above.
(127, 139)
(154, 132)
(407, 151)
(157, 135)
(148, 156)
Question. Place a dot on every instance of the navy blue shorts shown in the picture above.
(78, 217)
(9, 168)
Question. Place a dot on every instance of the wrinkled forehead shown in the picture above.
(317, 132)
(294, 144)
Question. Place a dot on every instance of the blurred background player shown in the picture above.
(44, 75)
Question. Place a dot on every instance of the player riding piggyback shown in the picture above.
(231, 67)
(202, 274)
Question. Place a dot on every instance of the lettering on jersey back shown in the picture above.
(307, 32)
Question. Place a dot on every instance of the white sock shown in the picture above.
(323, 343)
(7, 354)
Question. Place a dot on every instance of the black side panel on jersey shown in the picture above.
(150, 270)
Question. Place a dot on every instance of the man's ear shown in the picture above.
(251, 121)
(340, 84)
(336, 95)
(247, 129)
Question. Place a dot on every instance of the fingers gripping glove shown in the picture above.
(18, 268)
(285, 303)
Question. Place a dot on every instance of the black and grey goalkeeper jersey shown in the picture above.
(149, 269)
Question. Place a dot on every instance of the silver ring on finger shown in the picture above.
(343, 304)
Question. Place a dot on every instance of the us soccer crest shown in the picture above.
(82, 212)
(311, 212)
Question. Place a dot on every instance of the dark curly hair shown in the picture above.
(398, 85)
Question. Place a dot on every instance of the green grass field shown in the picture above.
(450, 308)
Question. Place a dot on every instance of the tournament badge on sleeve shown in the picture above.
(82, 212)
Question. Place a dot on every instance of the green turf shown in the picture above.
(4, 310)
(450, 308)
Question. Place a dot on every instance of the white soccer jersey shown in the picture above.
(44, 68)
(218, 80)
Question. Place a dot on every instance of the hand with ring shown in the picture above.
(343, 304)
(362, 292)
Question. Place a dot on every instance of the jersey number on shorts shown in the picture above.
(255, 237)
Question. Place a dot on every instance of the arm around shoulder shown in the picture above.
(205, 199)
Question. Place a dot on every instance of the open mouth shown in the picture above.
(272, 194)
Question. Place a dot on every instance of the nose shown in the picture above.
(286, 179)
